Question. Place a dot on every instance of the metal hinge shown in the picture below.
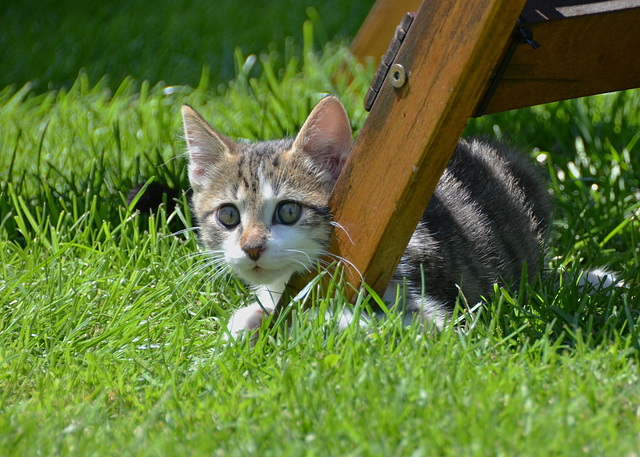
(398, 76)
(387, 62)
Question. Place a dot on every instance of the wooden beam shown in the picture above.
(586, 48)
(407, 140)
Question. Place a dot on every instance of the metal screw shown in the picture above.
(397, 75)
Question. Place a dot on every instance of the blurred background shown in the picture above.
(49, 42)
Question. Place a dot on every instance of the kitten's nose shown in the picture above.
(254, 241)
(254, 251)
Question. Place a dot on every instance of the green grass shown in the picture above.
(110, 332)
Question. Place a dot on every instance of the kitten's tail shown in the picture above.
(598, 279)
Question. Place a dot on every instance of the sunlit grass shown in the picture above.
(110, 332)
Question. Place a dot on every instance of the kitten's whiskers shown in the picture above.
(181, 232)
(300, 252)
(341, 259)
(341, 227)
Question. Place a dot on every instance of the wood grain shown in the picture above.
(409, 136)
(582, 52)
(587, 47)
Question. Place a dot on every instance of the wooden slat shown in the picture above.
(545, 10)
(409, 136)
(585, 49)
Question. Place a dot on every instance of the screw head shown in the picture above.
(397, 75)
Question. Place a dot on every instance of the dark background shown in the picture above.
(48, 42)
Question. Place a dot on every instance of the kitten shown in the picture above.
(263, 214)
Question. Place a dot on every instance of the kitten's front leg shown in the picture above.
(249, 318)
(246, 320)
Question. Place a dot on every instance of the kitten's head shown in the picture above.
(263, 207)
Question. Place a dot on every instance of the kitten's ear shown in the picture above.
(206, 146)
(326, 135)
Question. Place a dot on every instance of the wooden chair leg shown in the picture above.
(405, 144)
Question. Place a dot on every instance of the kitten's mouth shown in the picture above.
(257, 274)
(255, 268)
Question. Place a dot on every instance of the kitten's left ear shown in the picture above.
(326, 135)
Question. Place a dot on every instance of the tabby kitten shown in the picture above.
(263, 213)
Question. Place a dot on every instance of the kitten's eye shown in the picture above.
(229, 216)
(288, 213)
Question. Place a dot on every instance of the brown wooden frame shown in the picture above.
(452, 53)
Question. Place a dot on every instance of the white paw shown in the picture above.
(598, 279)
(245, 320)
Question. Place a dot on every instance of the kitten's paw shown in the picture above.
(244, 321)
(598, 279)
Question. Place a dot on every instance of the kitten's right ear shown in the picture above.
(206, 146)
